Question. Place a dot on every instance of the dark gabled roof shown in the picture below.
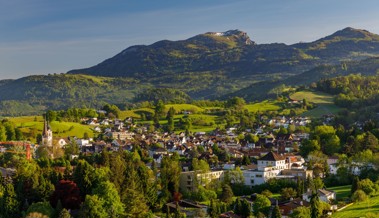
(271, 156)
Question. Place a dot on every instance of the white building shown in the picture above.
(269, 166)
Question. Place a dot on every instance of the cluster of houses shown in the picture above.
(274, 154)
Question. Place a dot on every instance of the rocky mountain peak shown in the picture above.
(236, 34)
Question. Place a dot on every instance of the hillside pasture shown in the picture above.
(136, 113)
(27, 124)
(314, 97)
(185, 107)
(324, 102)
(342, 192)
(361, 209)
(263, 106)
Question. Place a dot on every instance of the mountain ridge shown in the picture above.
(213, 65)
(209, 51)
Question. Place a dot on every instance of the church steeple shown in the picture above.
(44, 132)
(47, 134)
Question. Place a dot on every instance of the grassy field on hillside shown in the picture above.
(185, 107)
(136, 113)
(263, 106)
(60, 129)
(325, 103)
(314, 97)
(341, 191)
(361, 209)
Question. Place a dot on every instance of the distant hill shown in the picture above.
(266, 89)
(32, 94)
(213, 65)
(234, 54)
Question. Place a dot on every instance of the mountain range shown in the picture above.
(213, 65)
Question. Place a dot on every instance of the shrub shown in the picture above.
(359, 196)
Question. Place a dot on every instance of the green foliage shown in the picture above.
(170, 173)
(356, 185)
(9, 203)
(64, 214)
(92, 207)
(261, 205)
(276, 213)
(44, 208)
(315, 206)
(111, 199)
(226, 194)
(368, 186)
(200, 165)
(301, 212)
(288, 193)
(83, 177)
(359, 196)
(167, 95)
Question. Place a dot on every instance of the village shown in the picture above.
(270, 156)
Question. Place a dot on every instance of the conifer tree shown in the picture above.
(276, 213)
(315, 205)
(355, 186)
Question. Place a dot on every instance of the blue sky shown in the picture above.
(47, 36)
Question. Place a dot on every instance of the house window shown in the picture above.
(252, 181)
(188, 182)
(189, 177)
(259, 176)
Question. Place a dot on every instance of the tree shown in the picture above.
(83, 177)
(3, 135)
(235, 103)
(307, 146)
(117, 167)
(367, 186)
(112, 109)
(246, 160)
(111, 199)
(251, 138)
(66, 192)
(227, 194)
(315, 205)
(9, 204)
(170, 173)
(43, 208)
(301, 212)
(64, 214)
(200, 165)
(261, 205)
(299, 186)
(359, 196)
(318, 183)
(288, 193)
(332, 145)
(92, 207)
(213, 209)
(276, 213)
(355, 185)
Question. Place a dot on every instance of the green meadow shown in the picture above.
(27, 124)
(324, 102)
